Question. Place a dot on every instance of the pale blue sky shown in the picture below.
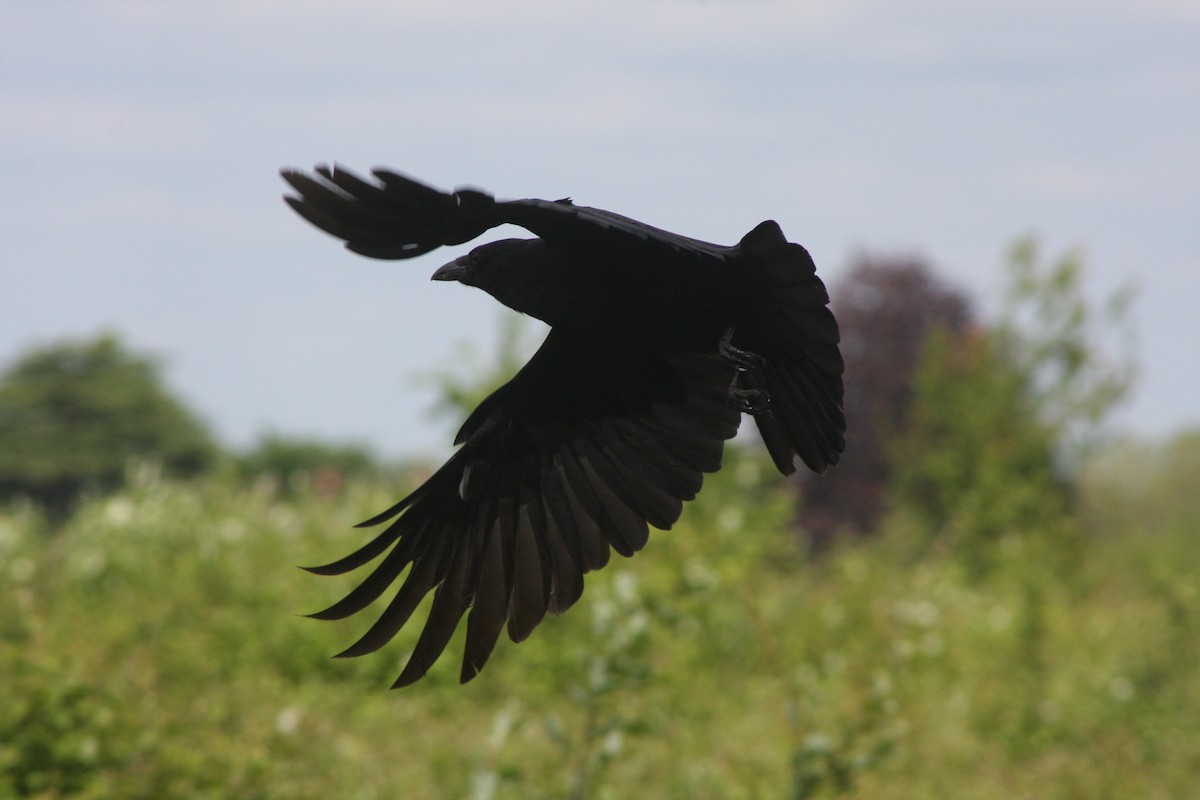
(139, 145)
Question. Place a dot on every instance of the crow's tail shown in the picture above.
(795, 332)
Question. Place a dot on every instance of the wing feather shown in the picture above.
(531, 571)
(625, 530)
(504, 532)
(490, 607)
(582, 534)
(397, 217)
(566, 567)
(425, 574)
(449, 604)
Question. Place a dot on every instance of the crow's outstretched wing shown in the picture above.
(397, 217)
(585, 446)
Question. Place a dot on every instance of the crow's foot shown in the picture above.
(748, 401)
(739, 359)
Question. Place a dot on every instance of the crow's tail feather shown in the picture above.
(794, 330)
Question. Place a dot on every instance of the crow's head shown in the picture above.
(517, 272)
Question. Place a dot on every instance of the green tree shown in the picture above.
(975, 461)
(73, 415)
(1077, 358)
(998, 415)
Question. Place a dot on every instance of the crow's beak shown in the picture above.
(455, 270)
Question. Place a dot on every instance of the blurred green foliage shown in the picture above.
(300, 465)
(975, 460)
(151, 650)
(1075, 357)
(74, 415)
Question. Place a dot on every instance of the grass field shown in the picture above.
(153, 649)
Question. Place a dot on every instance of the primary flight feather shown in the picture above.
(658, 344)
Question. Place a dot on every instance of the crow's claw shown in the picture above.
(739, 359)
(748, 401)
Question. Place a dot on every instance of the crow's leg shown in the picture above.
(741, 360)
(748, 401)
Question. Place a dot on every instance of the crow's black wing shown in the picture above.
(395, 217)
(588, 228)
(398, 217)
(585, 446)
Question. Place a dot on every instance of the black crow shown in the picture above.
(658, 343)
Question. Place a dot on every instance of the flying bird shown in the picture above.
(658, 344)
